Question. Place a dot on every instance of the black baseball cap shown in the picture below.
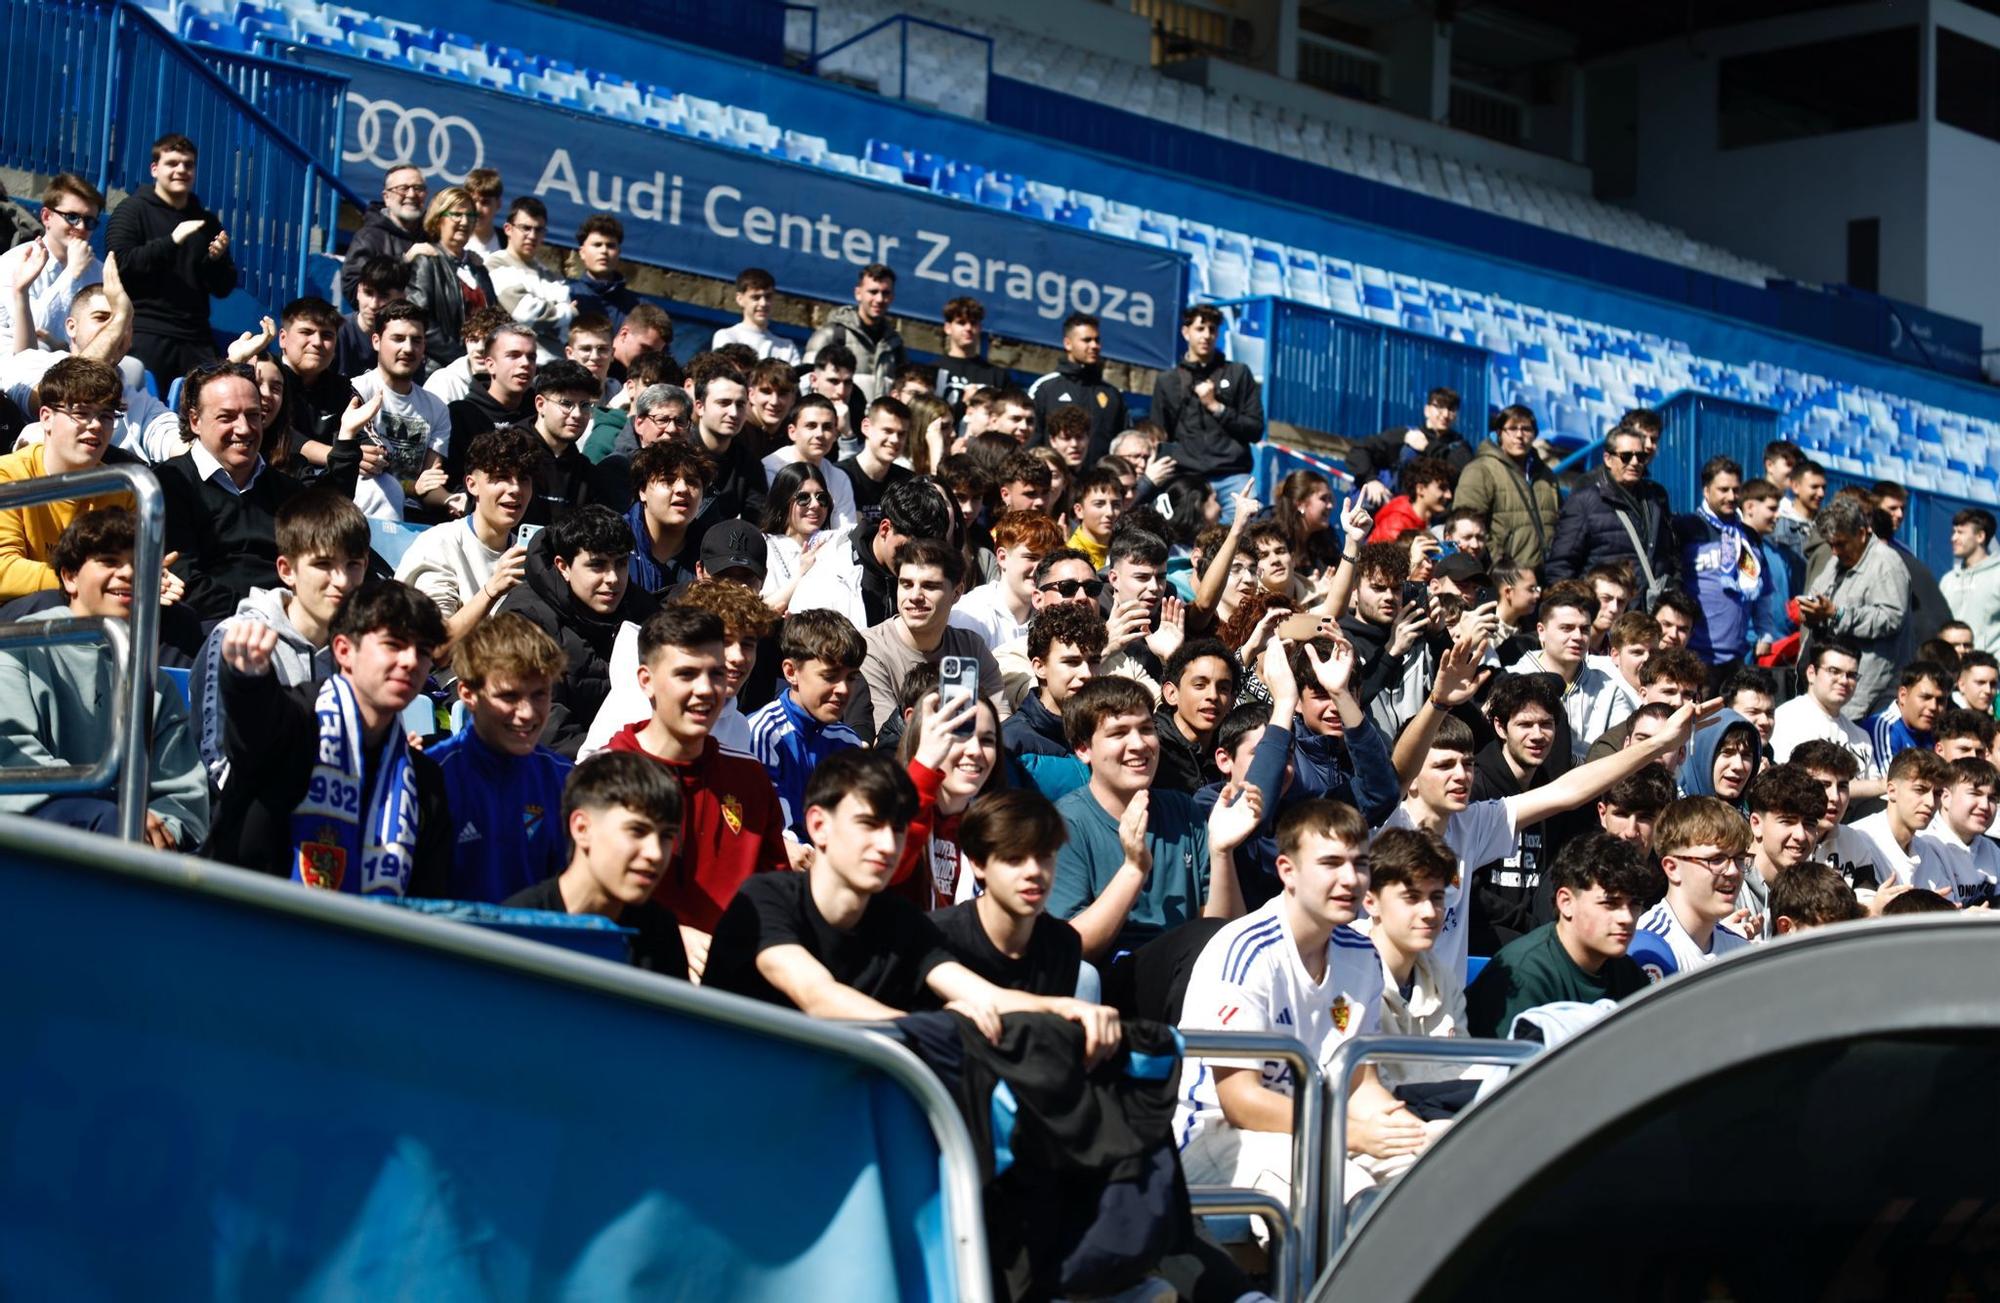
(1460, 568)
(733, 544)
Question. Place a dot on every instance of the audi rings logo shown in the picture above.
(387, 135)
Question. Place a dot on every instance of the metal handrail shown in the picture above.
(1347, 1059)
(16, 779)
(1293, 1265)
(135, 767)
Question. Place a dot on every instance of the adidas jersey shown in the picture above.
(1964, 873)
(1249, 978)
(1480, 834)
(1662, 947)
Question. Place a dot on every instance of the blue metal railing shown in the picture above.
(307, 104)
(1345, 375)
(92, 83)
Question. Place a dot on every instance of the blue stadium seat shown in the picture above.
(391, 539)
(180, 679)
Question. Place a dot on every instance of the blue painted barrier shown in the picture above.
(279, 1093)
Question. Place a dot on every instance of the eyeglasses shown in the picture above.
(455, 215)
(417, 189)
(93, 415)
(1715, 864)
(1068, 588)
(78, 221)
(811, 499)
(572, 404)
(1641, 456)
(675, 422)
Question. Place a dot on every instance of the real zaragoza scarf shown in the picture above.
(345, 838)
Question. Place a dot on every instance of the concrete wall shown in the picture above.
(1786, 203)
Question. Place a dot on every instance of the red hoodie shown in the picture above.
(927, 875)
(731, 827)
(1397, 515)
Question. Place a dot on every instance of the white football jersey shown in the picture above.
(1479, 834)
(1662, 947)
(1250, 978)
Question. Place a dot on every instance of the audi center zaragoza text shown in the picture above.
(712, 210)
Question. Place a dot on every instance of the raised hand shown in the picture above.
(1275, 668)
(1457, 680)
(1478, 621)
(1373, 494)
(247, 345)
(1355, 521)
(1128, 621)
(360, 415)
(1409, 627)
(508, 573)
(77, 257)
(1238, 810)
(1132, 834)
(172, 586)
(1246, 504)
(30, 266)
(1160, 468)
(218, 248)
(1681, 725)
(938, 734)
(247, 646)
(187, 230)
(1337, 670)
(114, 286)
(1172, 632)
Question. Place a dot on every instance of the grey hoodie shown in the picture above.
(295, 661)
(55, 709)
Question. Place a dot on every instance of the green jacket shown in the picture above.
(55, 709)
(1520, 511)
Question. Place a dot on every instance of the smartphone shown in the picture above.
(525, 534)
(958, 677)
(1485, 595)
(1416, 594)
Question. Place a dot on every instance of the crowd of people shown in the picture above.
(867, 684)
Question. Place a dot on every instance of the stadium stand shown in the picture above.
(1578, 373)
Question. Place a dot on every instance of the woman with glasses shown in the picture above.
(452, 282)
(1618, 513)
(795, 514)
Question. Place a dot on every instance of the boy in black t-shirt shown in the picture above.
(833, 943)
(623, 815)
(1004, 934)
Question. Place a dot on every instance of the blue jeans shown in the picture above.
(1226, 488)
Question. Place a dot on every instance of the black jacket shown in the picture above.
(1380, 455)
(228, 542)
(567, 480)
(1501, 898)
(585, 637)
(1074, 385)
(737, 492)
(474, 415)
(271, 736)
(380, 236)
(959, 376)
(1588, 532)
(1205, 443)
(170, 283)
(1183, 765)
(437, 288)
(1091, 1196)
(313, 409)
(1378, 672)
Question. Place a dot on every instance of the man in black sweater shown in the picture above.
(1209, 407)
(174, 255)
(1078, 381)
(222, 499)
(322, 786)
(504, 396)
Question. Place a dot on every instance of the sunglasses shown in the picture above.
(1068, 588)
(78, 221)
(1641, 457)
(811, 499)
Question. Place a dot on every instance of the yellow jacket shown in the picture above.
(28, 534)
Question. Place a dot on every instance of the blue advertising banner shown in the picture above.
(712, 210)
